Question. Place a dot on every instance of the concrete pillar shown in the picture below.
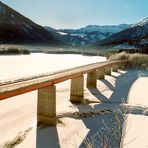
(100, 73)
(108, 70)
(91, 79)
(46, 107)
(77, 89)
(122, 66)
(115, 67)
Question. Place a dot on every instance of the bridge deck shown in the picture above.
(19, 86)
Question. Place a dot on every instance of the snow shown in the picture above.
(27, 26)
(137, 122)
(124, 46)
(41, 63)
(104, 29)
(2, 10)
(19, 112)
(143, 42)
(79, 35)
(62, 33)
(101, 37)
(89, 34)
(12, 16)
(142, 22)
(93, 33)
(82, 43)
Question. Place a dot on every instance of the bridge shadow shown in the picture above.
(119, 95)
(108, 84)
(98, 94)
(121, 89)
(47, 137)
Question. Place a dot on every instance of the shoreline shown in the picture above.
(69, 52)
(84, 53)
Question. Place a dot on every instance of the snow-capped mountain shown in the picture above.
(103, 29)
(15, 28)
(86, 35)
(135, 34)
(143, 22)
(67, 38)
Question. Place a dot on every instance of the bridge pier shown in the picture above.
(108, 69)
(46, 107)
(122, 66)
(91, 79)
(77, 89)
(100, 73)
(115, 67)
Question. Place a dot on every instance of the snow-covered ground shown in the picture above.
(37, 63)
(137, 128)
(19, 113)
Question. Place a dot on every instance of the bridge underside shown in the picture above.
(47, 96)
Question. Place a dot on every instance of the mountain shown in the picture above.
(15, 28)
(135, 34)
(86, 35)
(101, 29)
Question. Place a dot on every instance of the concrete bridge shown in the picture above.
(45, 84)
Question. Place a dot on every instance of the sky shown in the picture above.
(79, 13)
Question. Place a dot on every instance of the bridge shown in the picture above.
(45, 84)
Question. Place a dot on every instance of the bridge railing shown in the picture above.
(45, 84)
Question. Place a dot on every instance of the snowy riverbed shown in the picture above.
(19, 113)
(37, 63)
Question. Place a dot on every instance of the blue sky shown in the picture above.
(79, 13)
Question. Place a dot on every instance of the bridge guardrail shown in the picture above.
(39, 81)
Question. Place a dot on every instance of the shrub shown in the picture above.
(112, 134)
(13, 51)
(137, 60)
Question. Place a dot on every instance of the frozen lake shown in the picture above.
(37, 63)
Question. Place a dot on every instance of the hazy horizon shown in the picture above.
(74, 14)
